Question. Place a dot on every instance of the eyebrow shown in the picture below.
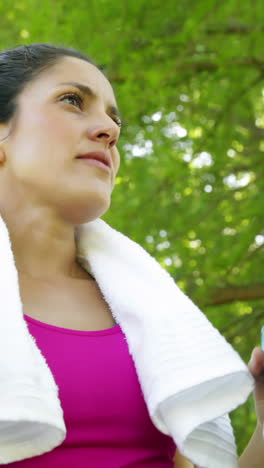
(89, 92)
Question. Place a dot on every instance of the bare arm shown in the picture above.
(181, 462)
(253, 455)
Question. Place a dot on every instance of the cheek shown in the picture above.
(41, 142)
(44, 137)
(116, 160)
(52, 128)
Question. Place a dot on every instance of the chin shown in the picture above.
(86, 212)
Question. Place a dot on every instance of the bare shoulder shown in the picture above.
(181, 462)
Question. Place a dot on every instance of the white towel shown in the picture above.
(190, 376)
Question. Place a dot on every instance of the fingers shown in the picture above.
(256, 363)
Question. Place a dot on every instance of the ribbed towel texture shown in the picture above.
(190, 376)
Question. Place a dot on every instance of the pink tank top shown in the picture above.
(107, 422)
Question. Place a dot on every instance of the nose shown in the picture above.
(107, 134)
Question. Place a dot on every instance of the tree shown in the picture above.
(188, 77)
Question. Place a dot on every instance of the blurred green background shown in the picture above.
(188, 78)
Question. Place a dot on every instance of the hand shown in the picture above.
(256, 367)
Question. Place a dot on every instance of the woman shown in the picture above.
(56, 107)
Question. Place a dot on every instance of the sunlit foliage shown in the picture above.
(188, 77)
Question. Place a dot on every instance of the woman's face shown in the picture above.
(55, 123)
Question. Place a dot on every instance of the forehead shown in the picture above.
(76, 70)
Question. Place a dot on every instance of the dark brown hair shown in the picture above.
(20, 65)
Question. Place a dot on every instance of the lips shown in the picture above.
(98, 155)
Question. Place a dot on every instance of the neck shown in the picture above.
(45, 249)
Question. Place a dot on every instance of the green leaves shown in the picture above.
(188, 77)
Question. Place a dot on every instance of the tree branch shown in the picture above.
(233, 29)
(248, 254)
(203, 65)
(228, 106)
(198, 66)
(245, 322)
(227, 294)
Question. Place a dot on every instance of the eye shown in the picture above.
(118, 122)
(74, 97)
(79, 100)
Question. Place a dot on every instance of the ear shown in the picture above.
(4, 136)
